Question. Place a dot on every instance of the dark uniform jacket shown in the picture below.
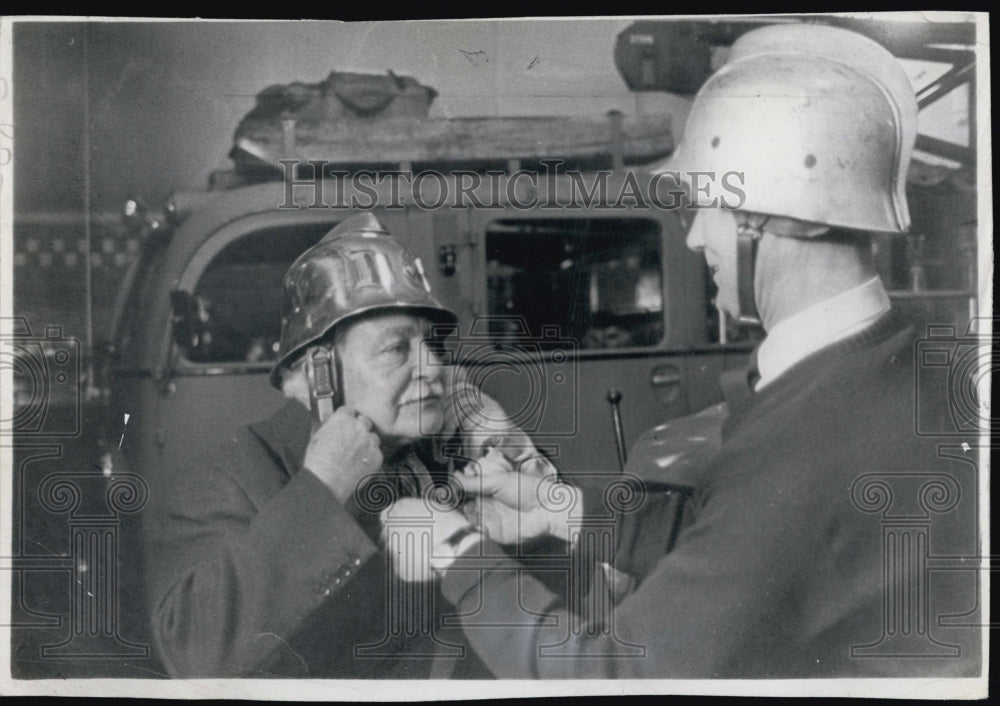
(255, 569)
(826, 537)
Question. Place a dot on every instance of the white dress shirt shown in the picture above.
(822, 324)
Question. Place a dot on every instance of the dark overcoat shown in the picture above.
(254, 568)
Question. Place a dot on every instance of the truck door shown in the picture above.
(218, 375)
(216, 379)
(574, 306)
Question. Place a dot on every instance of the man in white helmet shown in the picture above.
(786, 564)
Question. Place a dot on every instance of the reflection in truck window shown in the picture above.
(236, 316)
(599, 280)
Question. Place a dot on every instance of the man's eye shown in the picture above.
(401, 347)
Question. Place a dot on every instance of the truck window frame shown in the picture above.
(178, 364)
(581, 222)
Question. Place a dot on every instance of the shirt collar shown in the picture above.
(822, 324)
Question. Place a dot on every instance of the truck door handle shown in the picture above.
(666, 382)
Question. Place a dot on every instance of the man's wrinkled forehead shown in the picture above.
(385, 326)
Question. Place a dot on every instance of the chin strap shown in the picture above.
(325, 389)
(748, 234)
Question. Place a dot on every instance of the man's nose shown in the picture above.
(696, 237)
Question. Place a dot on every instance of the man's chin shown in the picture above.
(431, 424)
(422, 421)
(728, 308)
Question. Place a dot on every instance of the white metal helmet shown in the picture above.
(819, 121)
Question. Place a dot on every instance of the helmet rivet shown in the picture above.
(810, 161)
(716, 141)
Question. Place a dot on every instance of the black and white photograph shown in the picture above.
(523, 357)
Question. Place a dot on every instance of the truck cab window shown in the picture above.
(235, 311)
(599, 280)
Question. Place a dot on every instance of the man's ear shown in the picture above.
(295, 385)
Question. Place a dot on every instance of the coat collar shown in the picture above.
(738, 384)
(286, 434)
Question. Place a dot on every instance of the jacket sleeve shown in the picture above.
(232, 579)
(693, 616)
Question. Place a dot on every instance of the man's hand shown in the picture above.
(513, 505)
(417, 536)
(343, 451)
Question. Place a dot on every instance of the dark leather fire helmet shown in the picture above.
(357, 268)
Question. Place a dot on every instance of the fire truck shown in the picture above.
(561, 305)
(581, 309)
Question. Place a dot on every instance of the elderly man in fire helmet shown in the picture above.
(268, 560)
(783, 566)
